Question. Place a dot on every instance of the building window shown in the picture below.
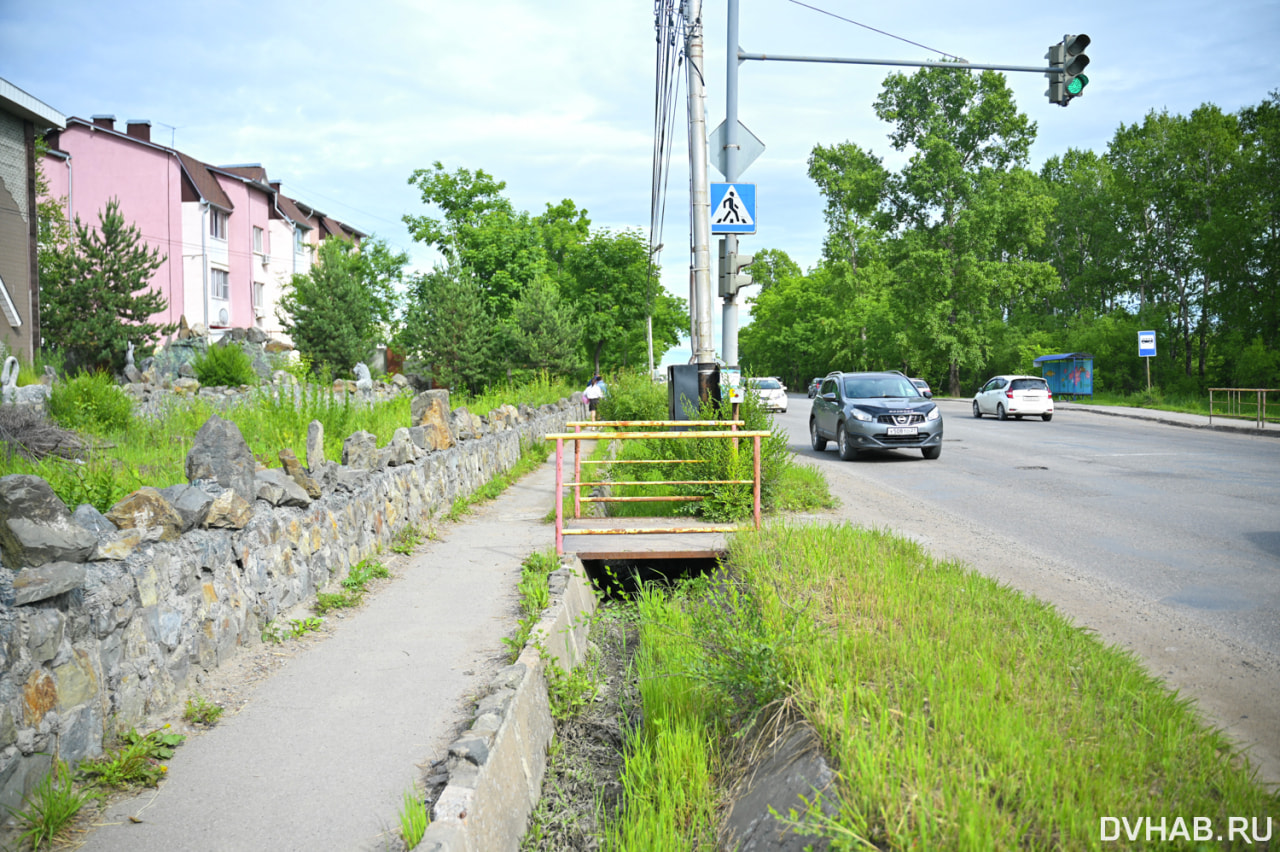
(258, 288)
(220, 284)
(299, 240)
(257, 240)
(217, 224)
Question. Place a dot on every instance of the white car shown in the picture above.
(1014, 396)
(771, 393)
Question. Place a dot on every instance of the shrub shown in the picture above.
(92, 402)
(225, 365)
(633, 396)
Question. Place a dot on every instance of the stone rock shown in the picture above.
(402, 449)
(399, 381)
(315, 446)
(289, 462)
(147, 509)
(184, 330)
(229, 511)
(219, 453)
(465, 424)
(360, 450)
(54, 578)
(276, 346)
(430, 409)
(118, 545)
(92, 520)
(185, 385)
(364, 382)
(278, 488)
(133, 374)
(35, 526)
(191, 503)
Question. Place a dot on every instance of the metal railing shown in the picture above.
(1237, 401)
(686, 431)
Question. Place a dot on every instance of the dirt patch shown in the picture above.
(582, 786)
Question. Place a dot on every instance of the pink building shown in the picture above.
(231, 240)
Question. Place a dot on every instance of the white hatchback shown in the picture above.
(771, 392)
(1014, 396)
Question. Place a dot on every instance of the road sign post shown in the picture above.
(1147, 350)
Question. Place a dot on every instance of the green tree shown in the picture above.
(545, 334)
(448, 329)
(610, 287)
(99, 299)
(339, 310)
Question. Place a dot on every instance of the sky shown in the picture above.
(342, 102)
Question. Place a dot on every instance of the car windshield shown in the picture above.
(1029, 384)
(767, 384)
(879, 387)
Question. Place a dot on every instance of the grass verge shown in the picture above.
(958, 713)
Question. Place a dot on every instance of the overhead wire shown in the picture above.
(874, 30)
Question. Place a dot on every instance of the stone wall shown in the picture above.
(89, 648)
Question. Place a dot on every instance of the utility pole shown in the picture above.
(700, 195)
(729, 313)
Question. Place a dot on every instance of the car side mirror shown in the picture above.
(830, 396)
(928, 394)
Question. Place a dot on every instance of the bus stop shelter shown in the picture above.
(1069, 374)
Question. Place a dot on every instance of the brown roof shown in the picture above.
(289, 208)
(252, 172)
(205, 183)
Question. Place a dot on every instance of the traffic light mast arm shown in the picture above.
(910, 63)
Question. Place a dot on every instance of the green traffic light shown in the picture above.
(1076, 85)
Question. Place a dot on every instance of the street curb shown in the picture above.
(496, 767)
(1226, 428)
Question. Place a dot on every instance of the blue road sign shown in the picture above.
(733, 208)
(1146, 344)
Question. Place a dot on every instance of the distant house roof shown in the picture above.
(17, 102)
(289, 209)
(1064, 357)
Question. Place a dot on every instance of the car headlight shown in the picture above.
(859, 414)
(934, 414)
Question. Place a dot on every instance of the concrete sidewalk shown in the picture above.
(324, 749)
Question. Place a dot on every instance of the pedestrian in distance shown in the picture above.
(595, 390)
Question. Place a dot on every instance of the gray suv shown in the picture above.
(874, 411)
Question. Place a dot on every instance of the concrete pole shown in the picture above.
(699, 192)
(729, 313)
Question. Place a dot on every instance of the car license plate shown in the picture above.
(903, 430)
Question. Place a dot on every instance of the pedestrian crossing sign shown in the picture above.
(733, 208)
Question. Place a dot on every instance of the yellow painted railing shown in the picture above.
(678, 430)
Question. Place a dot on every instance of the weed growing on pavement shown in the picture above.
(414, 820)
(135, 762)
(50, 808)
(276, 633)
(535, 596)
(201, 711)
(407, 539)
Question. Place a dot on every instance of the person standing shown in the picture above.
(595, 390)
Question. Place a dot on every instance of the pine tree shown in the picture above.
(103, 300)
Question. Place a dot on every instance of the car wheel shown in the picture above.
(848, 452)
(819, 443)
(1046, 417)
(1000, 412)
(977, 412)
(931, 452)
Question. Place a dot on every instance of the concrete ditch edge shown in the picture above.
(496, 767)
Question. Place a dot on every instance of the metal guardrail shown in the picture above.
(686, 431)
(1234, 400)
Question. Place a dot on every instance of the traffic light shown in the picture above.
(1067, 60)
(732, 277)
